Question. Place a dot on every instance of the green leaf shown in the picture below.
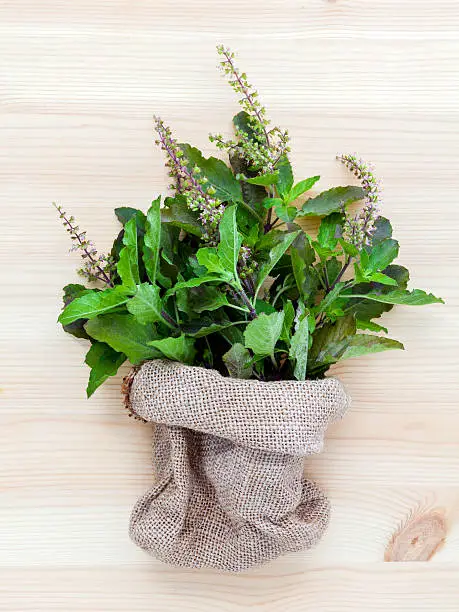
(328, 305)
(146, 305)
(126, 335)
(262, 306)
(93, 304)
(200, 299)
(363, 344)
(177, 214)
(417, 297)
(193, 282)
(208, 257)
(331, 200)
(252, 195)
(367, 309)
(275, 254)
(262, 179)
(126, 213)
(71, 292)
(177, 349)
(238, 362)
(382, 254)
(270, 202)
(333, 268)
(285, 176)
(303, 256)
(302, 187)
(230, 241)
(370, 326)
(262, 333)
(217, 173)
(289, 316)
(329, 231)
(152, 240)
(348, 248)
(299, 349)
(383, 230)
(104, 362)
(329, 343)
(128, 264)
(243, 123)
(204, 326)
(285, 213)
(379, 277)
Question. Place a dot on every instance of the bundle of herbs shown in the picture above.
(222, 274)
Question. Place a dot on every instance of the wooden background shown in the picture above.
(79, 83)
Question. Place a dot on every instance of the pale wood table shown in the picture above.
(79, 84)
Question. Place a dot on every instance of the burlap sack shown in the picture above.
(228, 456)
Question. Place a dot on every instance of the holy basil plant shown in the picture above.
(223, 275)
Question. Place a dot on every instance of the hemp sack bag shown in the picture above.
(228, 456)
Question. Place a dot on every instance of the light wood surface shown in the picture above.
(79, 83)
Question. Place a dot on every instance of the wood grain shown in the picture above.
(79, 83)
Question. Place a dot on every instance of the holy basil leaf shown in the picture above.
(200, 299)
(289, 316)
(126, 213)
(263, 179)
(302, 187)
(209, 258)
(263, 306)
(333, 268)
(252, 195)
(363, 344)
(285, 176)
(193, 282)
(128, 264)
(243, 124)
(379, 277)
(327, 345)
(329, 231)
(331, 200)
(152, 240)
(382, 254)
(348, 248)
(104, 362)
(285, 213)
(93, 304)
(146, 305)
(238, 362)
(178, 214)
(217, 173)
(275, 254)
(416, 297)
(383, 230)
(370, 326)
(126, 335)
(270, 202)
(299, 349)
(71, 292)
(367, 309)
(204, 326)
(230, 241)
(177, 349)
(262, 333)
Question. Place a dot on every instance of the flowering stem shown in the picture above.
(247, 94)
(103, 275)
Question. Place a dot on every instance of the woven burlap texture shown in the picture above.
(228, 456)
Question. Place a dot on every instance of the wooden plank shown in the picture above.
(79, 83)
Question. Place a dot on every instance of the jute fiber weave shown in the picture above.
(228, 456)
